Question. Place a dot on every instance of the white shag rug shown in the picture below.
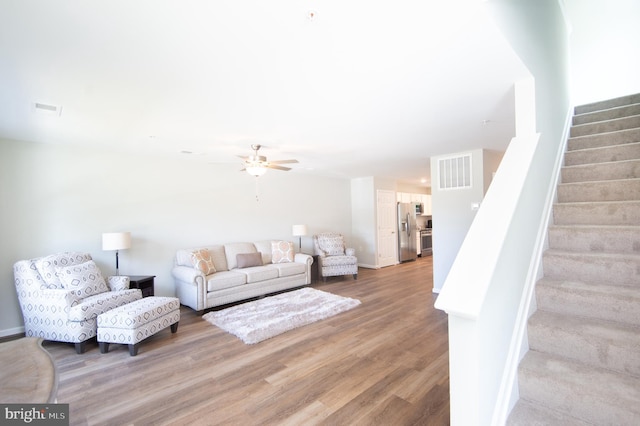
(253, 322)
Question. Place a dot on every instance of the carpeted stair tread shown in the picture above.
(626, 169)
(607, 154)
(589, 393)
(602, 140)
(607, 126)
(597, 213)
(612, 268)
(605, 190)
(583, 366)
(606, 114)
(596, 342)
(607, 104)
(527, 413)
(596, 300)
(595, 238)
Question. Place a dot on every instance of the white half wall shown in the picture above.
(59, 198)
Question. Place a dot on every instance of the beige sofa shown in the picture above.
(220, 274)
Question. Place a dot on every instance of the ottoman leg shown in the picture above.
(174, 327)
(133, 349)
(104, 347)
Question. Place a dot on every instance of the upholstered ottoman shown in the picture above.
(132, 323)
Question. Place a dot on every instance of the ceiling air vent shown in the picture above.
(454, 172)
(47, 108)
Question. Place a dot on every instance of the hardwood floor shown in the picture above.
(382, 363)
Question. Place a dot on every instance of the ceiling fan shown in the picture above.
(256, 165)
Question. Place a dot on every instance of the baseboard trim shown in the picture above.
(12, 332)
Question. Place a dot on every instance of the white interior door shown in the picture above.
(387, 228)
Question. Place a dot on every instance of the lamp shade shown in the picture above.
(116, 240)
(299, 230)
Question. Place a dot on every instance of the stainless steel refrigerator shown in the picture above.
(407, 232)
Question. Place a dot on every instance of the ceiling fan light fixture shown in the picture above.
(256, 170)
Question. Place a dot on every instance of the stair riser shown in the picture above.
(551, 385)
(595, 240)
(603, 155)
(603, 171)
(602, 140)
(597, 343)
(587, 302)
(609, 114)
(611, 213)
(607, 104)
(605, 126)
(615, 270)
(618, 190)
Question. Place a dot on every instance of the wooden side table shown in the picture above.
(315, 272)
(143, 282)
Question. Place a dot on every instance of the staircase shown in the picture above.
(583, 366)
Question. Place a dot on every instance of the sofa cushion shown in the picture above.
(202, 261)
(332, 245)
(260, 273)
(47, 265)
(233, 249)
(289, 269)
(84, 279)
(95, 305)
(282, 251)
(225, 279)
(246, 260)
(183, 257)
(264, 247)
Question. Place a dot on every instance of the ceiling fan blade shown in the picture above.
(283, 161)
(244, 157)
(273, 166)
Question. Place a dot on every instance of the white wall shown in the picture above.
(483, 293)
(364, 220)
(452, 213)
(58, 198)
(604, 49)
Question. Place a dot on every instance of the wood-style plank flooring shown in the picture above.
(383, 363)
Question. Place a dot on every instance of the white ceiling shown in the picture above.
(357, 88)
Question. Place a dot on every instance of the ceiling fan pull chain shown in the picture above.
(257, 199)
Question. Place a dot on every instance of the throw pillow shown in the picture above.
(202, 261)
(84, 279)
(246, 260)
(282, 252)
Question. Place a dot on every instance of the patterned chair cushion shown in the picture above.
(332, 245)
(92, 306)
(282, 252)
(138, 313)
(47, 266)
(85, 279)
(339, 260)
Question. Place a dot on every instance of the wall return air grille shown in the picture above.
(454, 172)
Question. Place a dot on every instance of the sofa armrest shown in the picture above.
(191, 286)
(189, 275)
(303, 258)
(350, 252)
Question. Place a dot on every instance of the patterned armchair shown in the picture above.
(333, 258)
(61, 295)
